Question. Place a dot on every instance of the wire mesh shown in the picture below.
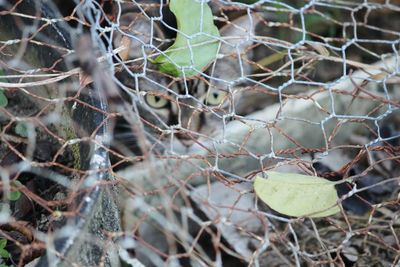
(308, 87)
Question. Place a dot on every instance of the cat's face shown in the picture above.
(179, 114)
(184, 112)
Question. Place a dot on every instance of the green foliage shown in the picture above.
(3, 252)
(199, 51)
(249, 2)
(15, 194)
(298, 195)
(21, 129)
(3, 99)
(3, 243)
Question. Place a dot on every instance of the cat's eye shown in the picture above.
(215, 98)
(155, 101)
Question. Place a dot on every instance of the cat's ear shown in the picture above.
(237, 37)
(239, 32)
(135, 30)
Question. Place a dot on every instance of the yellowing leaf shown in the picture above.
(379, 76)
(297, 195)
(196, 43)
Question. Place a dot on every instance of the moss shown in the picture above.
(69, 133)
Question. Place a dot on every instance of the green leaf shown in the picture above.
(16, 183)
(4, 253)
(14, 196)
(298, 195)
(192, 18)
(21, 129)
(3, 243)
(3, 99)
(249, 2)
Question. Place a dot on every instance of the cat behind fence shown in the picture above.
(177, 114)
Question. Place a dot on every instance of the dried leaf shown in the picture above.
(298, 195)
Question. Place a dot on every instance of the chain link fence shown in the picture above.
(107, 160)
